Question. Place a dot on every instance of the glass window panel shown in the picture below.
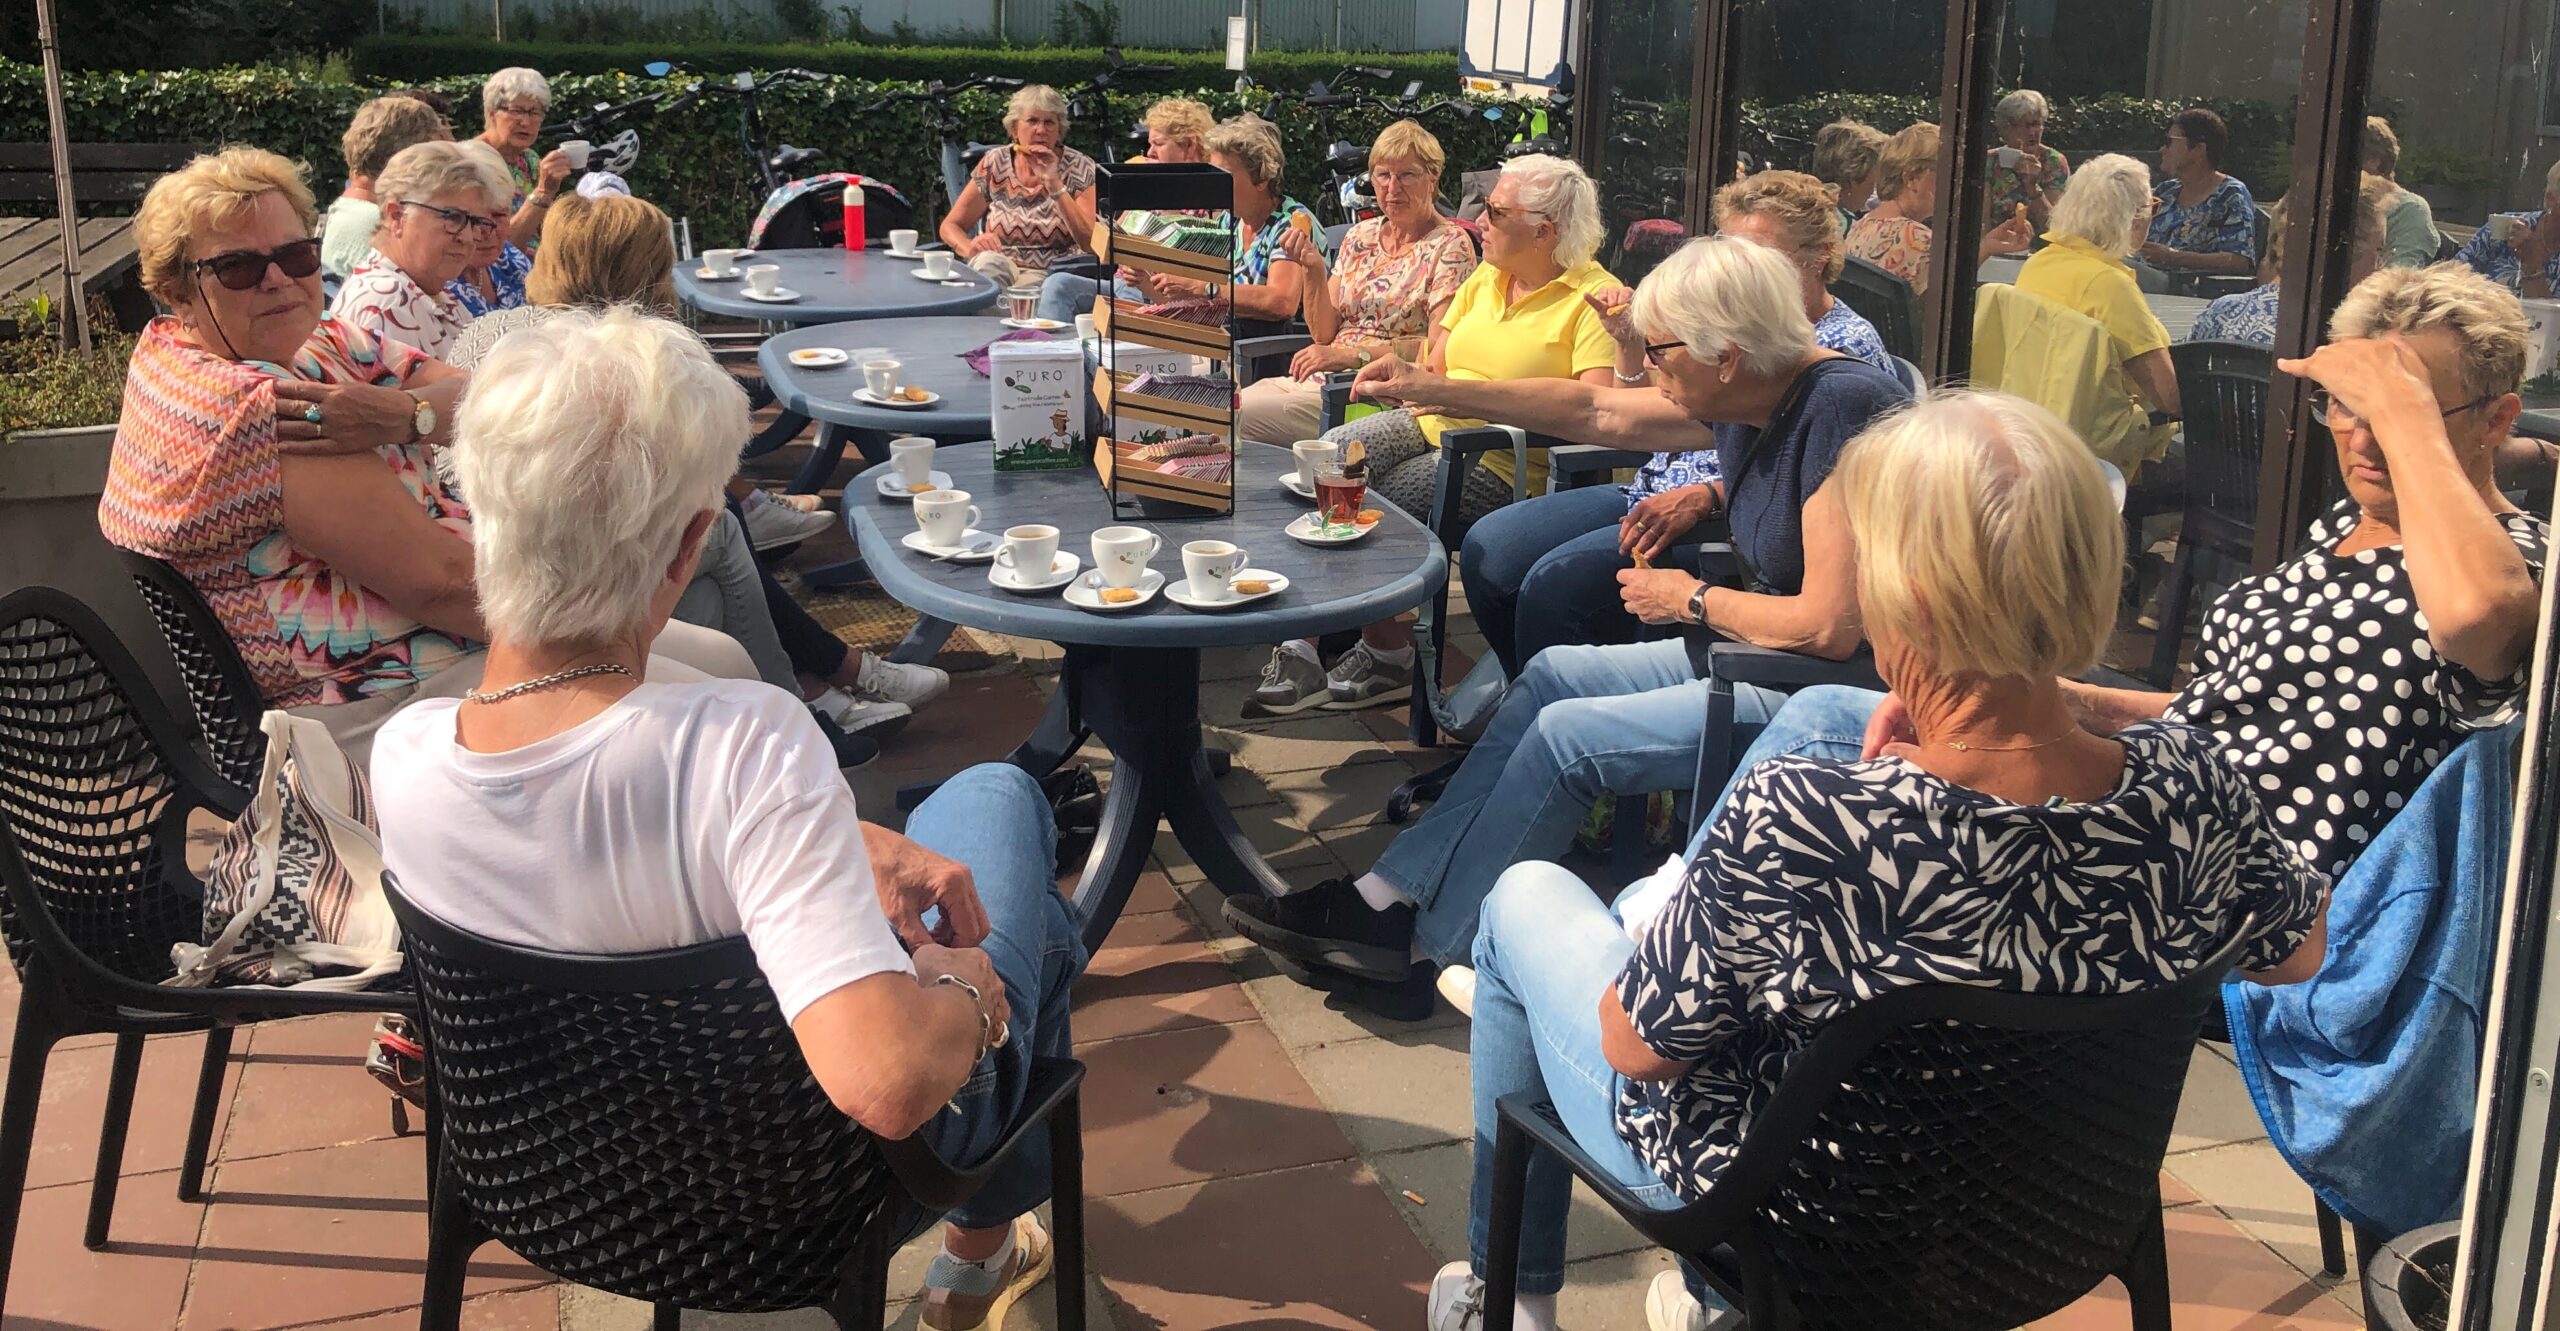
(1644, 177)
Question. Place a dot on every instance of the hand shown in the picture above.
(552, 173)
(1613, 304)
(1036, 168)
(2030, 168)
(353, 417)
(2010, 237)
(984, 242)
(1889, 730)
(2377, 378)
(2156, 254)
(1314, 360)
(911, 879)
(1393, 379)
(1657, 520)
(2538, 244)
(1300, 248)
(1657, 595)
(932, 961)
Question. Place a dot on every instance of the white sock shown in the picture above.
(1379, 893)
(1533, 1312)
(995, 1261)
(1399, 656)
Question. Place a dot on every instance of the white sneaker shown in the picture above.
(855, 716)
(772, 525)
(892, 681)
(1457, 1300)
(1458, 985)
(1668, 1306)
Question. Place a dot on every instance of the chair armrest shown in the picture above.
(1586, 464)
(1768, 667)
(1337, 399)
(1251, 354)
(937, 1186)
(1689, 1231)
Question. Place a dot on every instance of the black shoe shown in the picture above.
(1408, 999)
(852, 751)
(1330, 925)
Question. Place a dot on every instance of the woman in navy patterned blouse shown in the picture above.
(2202, 221)
(2000, 845)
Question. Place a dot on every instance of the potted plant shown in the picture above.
(2408, 1286)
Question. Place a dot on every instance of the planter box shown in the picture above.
(50, 481)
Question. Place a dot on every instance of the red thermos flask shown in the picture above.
(853, 227)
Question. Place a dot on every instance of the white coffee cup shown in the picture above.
(937, 263)
(576, 151)
(944, 516)
(2506, 230)
(2008, 156)
(721, 263)
(764, 278)
(1030, 550)
(1120, 554)
(902, 242)
(1085, 327)
(881, 377)
(1211, 565)
(1313, 454)
(912, 459)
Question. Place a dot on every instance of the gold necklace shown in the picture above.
(1961, 747)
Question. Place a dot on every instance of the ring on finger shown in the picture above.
(312, 413)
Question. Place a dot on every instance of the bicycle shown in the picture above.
(956, 156)
(1089, 101)
(804, 210)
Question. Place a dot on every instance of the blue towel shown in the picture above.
(2365, 1074)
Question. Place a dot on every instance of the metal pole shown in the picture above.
(75, 310)
(1964, 100)
(1715, 114)
(498, 18)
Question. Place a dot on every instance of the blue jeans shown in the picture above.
(1065, 295)
(1826, 721)
(1627, 719)
(1545, 572)
(994, 819)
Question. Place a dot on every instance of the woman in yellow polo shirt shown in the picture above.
(2101, 219)
(1520, 315)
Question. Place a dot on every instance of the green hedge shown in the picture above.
(417, 59)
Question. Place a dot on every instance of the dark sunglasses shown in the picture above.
(2339, 416)
(241, 270)
(456, 221)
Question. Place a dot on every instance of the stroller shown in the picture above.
(809, 213)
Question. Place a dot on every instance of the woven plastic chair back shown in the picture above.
(219, 691)
(2224, 386)
(92, 817)
(1884, 300)
(645, 1125)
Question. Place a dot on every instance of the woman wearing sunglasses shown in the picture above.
(439, 207)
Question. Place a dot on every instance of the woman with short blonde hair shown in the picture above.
(380, 129)
(440, 203)
(1177, 130)
(1029, 206)
(1896, 236)
(515, 102)
(1844, 158)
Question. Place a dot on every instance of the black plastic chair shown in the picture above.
(1940, 1158)
(220, 692)
(1732, 663)
(97, 782)
(1884, 300)
(646, 1125)
(2223, 386)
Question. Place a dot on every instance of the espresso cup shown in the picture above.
(720, 263)
(1120, 554)
(1211, 565)
(764, 278)
(937, 263)
(2008, 156)
(1030, 550)
(576, 151)
(902, 242)
(944, 516)
(912, 459)
(1086, 329)
(1313, 456)
(881, 377)
(2506, 230)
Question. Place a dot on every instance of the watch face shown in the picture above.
(424, 418)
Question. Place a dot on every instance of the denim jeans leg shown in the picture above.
(1548, 951)
(1825, 721)
(727, 594)
(1504, 546)
(1571, 596)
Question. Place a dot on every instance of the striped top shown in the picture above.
(196, 480)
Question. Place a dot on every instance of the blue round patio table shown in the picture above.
(836, 286)
(1131, 679)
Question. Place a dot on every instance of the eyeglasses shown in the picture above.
(456, 221)
(1409, 179)
(1653, 351)
(522, 112)
(1496, 213)
(241, 270)
(2339, 416)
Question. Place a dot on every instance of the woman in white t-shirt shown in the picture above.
(569, 803)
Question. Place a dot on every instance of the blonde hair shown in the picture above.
(1844, 153)
(1557, 189)
(511, 84)
(2104, 203)
(384, 126)
(217, 189)
(608, 251)
(1034, 97)
(2381, 146)
(1988, 541)
(1721, 293)
(424, 170)
(1250, 142)
(2485, 318)
(1181, 119)
(1408, 141)
(1800, 204)
(1906, 157)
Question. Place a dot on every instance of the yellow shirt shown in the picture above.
(2078, 276)
(1548, 334)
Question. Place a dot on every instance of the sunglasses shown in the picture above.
(456, 221)
(2339, 416)
(241, 270)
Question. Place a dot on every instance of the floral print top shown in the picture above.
(1386, 299)
(2496, 260)
(2247, 316)
(2226, 222)
(1897, 245)
(384, 302)
(1027, 222)
(1253, 265)
(196, 480)
(2010, 188)
(506, 274)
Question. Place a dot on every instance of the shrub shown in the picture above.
(43, 386)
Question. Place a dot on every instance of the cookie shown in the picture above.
(1368, 516)
(919, 487)
(1119, 595)
(911, 393)
(1251, 586)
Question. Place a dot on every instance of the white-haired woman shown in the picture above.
(514, 102)
(570, 803)
(2026, 172)
(2521, 251)
(1521, 315)
(1732, 350)
(2101, 220)
(1267, 283)
(440, 203)
(1034, 196)
(1988, 556)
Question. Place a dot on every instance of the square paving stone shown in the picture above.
(74, 1105)
(1405, 1088)
(2254, 1188)
(1210, 1102)
(2215, 1109)
(140, 1280)
(1317, 1247)
(303, 1085)
(516, 1310)
(1441, 1176)
(2220, 1280)
(1155, 974)
(1303, 1017)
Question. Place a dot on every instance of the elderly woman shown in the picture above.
(515, 101)
(1386, 291)
(2202, 221)
(380, 129)
(440, 205)
(493, 278)
(1267, 284)
(1895, 235)
(280, 460)
(2026, 172)
(2521, 251)
(574, 805)
(1988, 555)
(1728, 338)
(1545, 572)
(1520, 315)
(1034, 196)
(2250, 316)
(1845, 155)
(2411, 221)
(2082, 268)
(1177, 131)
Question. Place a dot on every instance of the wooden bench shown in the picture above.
(111, 176)
(107, 173)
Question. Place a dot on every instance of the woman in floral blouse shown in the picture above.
(1895, 236)
(1387, 290)
(439, 207)
(2202, 221)
(1035, 196)
(2025, 171)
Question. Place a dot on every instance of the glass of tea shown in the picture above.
(1024, 302)
(1338, 501)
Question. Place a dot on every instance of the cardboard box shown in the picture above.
(2542, 337)
(1039, 405)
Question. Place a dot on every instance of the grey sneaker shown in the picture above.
(1292, 681)
(1360, 680)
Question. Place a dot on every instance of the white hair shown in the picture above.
(2023, 105)
(2105, 202)
(424, 170)
(512, 83)
(1723, 292)
(1558, 191)
(587, 442)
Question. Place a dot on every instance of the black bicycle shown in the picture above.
(956, 156)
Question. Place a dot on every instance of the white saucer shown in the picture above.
(1306, 528)
(706, 275)
(916, 253)
(1085, 593)
(1180, 592)
(819, 358)
(923, 276)
(863, 396)
(1035, 325)
(893, 488)
(1297, 485)
(1061, 572)
(975, 546)
(780, 296)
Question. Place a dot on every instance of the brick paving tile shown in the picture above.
(1186, 1106)
(516, 1310)
(1317, 1247)
(138, 1281)
(2221, 1280)
(303, 1084)
(1156, 974)
(75, 1098)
